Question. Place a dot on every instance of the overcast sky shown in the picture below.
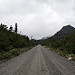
(38, 18)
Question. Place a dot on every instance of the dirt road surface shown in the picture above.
(38, 61)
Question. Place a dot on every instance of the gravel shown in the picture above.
(38, 61)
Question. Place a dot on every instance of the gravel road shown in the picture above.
(38, 61)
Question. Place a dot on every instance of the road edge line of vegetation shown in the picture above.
(61, 53)
(4, 56)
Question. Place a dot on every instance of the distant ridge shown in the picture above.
(43, 38)
(64, 31)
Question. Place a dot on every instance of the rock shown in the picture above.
(70, 58)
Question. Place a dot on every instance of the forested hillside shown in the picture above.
(9, 38)
(64, 44)
(63, 32)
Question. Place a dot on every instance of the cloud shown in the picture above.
(37, 18)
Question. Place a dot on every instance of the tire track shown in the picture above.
(38, 61)
(15, 65)
(55, 65)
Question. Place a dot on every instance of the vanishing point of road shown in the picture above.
(38, 61)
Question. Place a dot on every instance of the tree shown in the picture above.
(16, 28)
(11, 28)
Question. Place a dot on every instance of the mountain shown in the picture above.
(64, 31)
(43, 38)
(63, 42)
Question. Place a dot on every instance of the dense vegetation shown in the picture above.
(12, 43)
(67, 44)
(64, 45)
(10, 39)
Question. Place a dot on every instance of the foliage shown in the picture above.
(12, 53)
(10, 40)
(16, 28)
(66, 45)
(11, 28)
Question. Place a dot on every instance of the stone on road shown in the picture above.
(38, 61)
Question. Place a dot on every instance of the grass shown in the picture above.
(62, 53)
(12, 53)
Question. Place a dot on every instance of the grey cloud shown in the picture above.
(37, 18)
